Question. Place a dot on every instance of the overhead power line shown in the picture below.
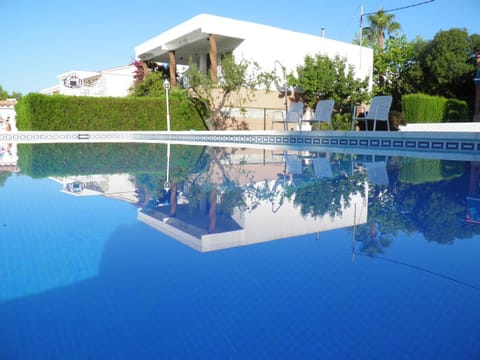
(400, 8)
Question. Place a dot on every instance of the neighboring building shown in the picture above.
(110, 82)
(7, 111)
(117, 186)
(206, 38)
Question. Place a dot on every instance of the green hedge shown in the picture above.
(38, 112)
(44, 160)
(422, 108)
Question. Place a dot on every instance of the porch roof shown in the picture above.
(191, 38)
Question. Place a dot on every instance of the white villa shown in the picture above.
(206, 38)
(110, 82)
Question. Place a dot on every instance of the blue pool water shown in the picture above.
(305, 256)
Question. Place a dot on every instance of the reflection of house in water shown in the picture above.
(118, 186)
(266, 217)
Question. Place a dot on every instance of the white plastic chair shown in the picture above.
(294, 115)
(322, 167)
(379, 110)
(323, 112)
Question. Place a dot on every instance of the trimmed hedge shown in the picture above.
(422, 108)
(38, 112)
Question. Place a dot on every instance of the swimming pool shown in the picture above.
(149, 250)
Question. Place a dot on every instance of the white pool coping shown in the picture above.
(456, 141)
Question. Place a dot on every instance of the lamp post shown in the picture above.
(166, 85)
(285, 89)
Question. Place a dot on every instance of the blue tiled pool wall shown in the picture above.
(393, 141)
(335, 141)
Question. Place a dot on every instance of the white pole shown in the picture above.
(166, 85)
(361, 34)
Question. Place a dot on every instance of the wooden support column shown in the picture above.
(213, 58)
(172, 64)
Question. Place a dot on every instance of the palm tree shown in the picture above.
(381, 24)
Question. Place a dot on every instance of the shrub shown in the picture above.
(456, 110)
(54, 113)
(422, 108)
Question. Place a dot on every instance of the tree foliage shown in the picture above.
(5, 95)
(391, 64)
(331, 78)
(446, 67)
(382, 25)
(233, 77)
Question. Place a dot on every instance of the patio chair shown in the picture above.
(379, 109)
(323, 112)
(293, 115)
(322, 167)
(377, 172)
(375, 167)
(294, 164)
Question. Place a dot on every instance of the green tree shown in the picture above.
(381, 26)
(150, 85)
(446, 64)
(413, 80)
(5, 95)
(332, 78)
(217, 95)
(391, 67)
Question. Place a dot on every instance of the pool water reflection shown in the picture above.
(156, 251)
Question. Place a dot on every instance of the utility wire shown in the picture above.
(401, 8)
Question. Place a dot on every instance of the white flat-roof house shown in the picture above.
(110, 82)
(206, 38)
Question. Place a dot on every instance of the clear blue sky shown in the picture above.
(42, 39)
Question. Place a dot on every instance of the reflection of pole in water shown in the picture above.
(166, 186)
(354, 229)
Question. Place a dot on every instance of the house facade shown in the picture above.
(205, 39)
(110, 82)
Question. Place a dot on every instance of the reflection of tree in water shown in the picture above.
(214, 190)
(328, 196)
(412, 202)
(430, 199)
(150, 185)
(382, 221)
(372, 239)
(4, 175)
(435, 212)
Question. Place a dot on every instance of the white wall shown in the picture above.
(290, 48)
